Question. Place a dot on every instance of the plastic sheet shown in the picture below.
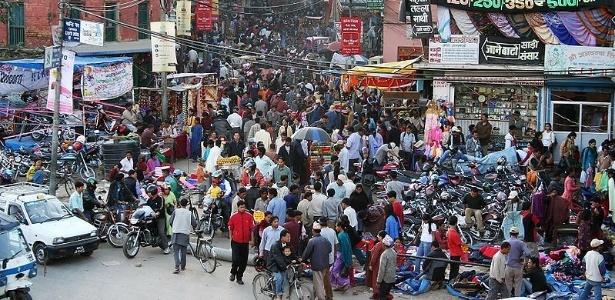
(463, 21)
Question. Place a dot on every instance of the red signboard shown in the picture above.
(204, 21)
(352, 31)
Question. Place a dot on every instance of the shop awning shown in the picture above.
(385, 76)
(114, 48)
(403, 68)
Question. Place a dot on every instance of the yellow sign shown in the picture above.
(258, 216)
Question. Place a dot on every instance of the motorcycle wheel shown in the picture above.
(21, 294)
(132, 245)
(117, 235)
(37, 136)
(87, 172)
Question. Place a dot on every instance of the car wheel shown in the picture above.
(40, 253)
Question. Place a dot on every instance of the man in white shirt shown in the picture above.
(235, 120)
(348, 185)
(509, 139)
(354, 144)
(263, 136)
(594, 270)
(127, 163)
(318, 199)
(407, 140)
(342, 156)
(497, 274)
(350, 213)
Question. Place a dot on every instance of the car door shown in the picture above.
(17, 212)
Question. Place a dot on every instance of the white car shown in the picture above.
(50, 229)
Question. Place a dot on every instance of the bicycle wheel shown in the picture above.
(262, 287)
(207, 257)
(194, 213)
(466, 237)
(301, 292)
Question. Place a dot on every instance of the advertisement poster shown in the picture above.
(92, 33)
(419, 13)
(521, 51)
(523, 6)
(352, 29)
(16, 80)
(163, 50)
(184, 18)
(461, 49)
(590, 61)
(108, 82)
(66, 86)
(203, 20)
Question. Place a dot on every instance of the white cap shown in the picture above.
(316, 226)
(596, 242)
(513, 195)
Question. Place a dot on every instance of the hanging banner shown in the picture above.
(66, 86)
(352, 29)
(461, 49)
(183, 18)
(215, 10)
(419, 12)
(92, 33)
(16, 80)
(203, 21)
(163, 50)
(522, 6)
(580, 60)
(104, 83)
(498, 50)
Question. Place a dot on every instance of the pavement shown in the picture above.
(107, 274)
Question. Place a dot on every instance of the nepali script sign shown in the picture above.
(352, 30)
(16, 80)
(580, 60)
(461, 49)
(522, 6)
(497, 50)
(108, 82)
(419, 12)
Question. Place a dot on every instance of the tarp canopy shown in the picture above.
(344, 62)
(385, 76)
(80, 62)
(384, 69)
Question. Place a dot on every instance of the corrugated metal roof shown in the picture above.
(114, 48)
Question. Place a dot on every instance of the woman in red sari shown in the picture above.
(374, 264)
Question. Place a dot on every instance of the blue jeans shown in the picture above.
(422, 250)
(459, 155)
(526, 287)
(589, 285)
(280, 280)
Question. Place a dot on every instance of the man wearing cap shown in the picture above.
(595, 270)
(319, 252)
(387, 268)
(354, 144)
(342, 156)
(338, 187)
(514, 262)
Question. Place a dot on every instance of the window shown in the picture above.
(17, 28)
(16, 212)
(73, 13)
(143, 19)
(110, 27)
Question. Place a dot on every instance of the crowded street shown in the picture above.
(309, 150)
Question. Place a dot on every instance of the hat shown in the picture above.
(340, 142)
(456, 129)
(316, 226)
(514, 230)
(392, 145)
(388, 241)
(513, 195)
(596, 242)
(342, 177)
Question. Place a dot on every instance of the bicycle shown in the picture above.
(263, 285)
(204, 253)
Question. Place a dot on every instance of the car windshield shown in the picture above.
(46, 210)
(12, 244)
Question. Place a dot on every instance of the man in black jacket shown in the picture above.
(277, 262)
(221, 125)
(131, 183)
(298, 160)
(156, 203)
(284, 152)
(434, 269)
(236, 146)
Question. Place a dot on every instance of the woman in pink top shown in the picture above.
(152, 163)
(570, 185)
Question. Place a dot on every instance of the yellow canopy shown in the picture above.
(391, 68)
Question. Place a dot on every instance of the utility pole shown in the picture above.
(164, 16)
(53, 167)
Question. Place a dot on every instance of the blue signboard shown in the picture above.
(72, 29)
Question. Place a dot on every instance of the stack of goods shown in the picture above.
(228, 161)
(318, 151)
(469, 285)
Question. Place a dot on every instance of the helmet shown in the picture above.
(217, 174)
(81, 139)
(501, 161)
(152, 189)
(434, 178)
(90, 181)
(77, 146)
(501, 196)
(178, 172)
(445, 196)
(259, 264)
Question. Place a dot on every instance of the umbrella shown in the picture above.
(312, 134)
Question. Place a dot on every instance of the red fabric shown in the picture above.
(398, 210)
(454, 243)
(240, 225)
(489, 251)
(181, 142)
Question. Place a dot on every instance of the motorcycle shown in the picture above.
(212, 214)
(108, 228)
(140, 236)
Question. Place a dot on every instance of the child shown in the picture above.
(400, 249)
(200, 171)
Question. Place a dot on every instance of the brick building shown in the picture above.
(29, 23)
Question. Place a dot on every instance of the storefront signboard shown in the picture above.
(108, 82)
(522, 6)
(419, 13)
(163, 49)
(461, 49)
(580, 60)
(497, 50)
(352, 29)
(203, 18)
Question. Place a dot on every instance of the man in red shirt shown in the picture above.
(398, 209)
(240, 227)
(454, 246)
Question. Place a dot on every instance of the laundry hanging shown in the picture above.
(463, 21)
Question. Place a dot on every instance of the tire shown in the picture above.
(301, 292)
(211, 228)
(117, 234)
(87, 172)
(194, 213)
(69, 186)
(207, 258)
(40, 254)
(37, 136)
(21, 294)
(262, 287)
(132, 245)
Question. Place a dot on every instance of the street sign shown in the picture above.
(52, 57)
(81, 31)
